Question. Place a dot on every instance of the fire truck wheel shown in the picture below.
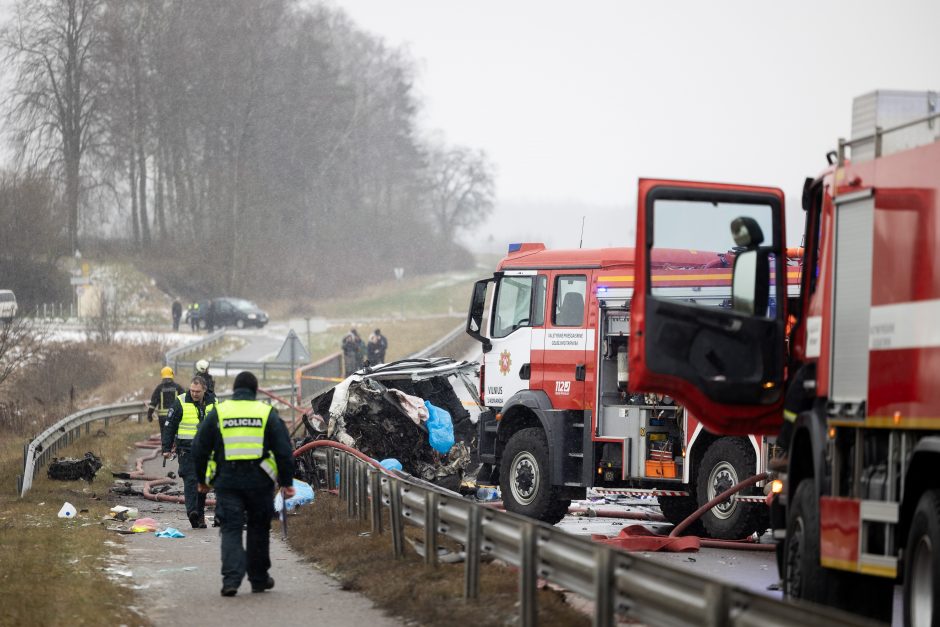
(922, 562)
(524, 478)
(678, 508)
(727, 462)
(803, 576)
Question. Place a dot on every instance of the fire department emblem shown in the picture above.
(505, 362)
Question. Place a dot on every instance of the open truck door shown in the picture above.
(725, 364)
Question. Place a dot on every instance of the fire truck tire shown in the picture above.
(525, 479)
(805, 578)
(726, 462)
(922, 563)
(678, 508)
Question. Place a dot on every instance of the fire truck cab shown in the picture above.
(860, 510)
(554, 379)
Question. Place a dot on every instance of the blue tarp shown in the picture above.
(303, 495)
(440, 428)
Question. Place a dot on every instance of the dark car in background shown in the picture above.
(229, 312)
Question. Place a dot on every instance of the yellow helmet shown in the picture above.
(167, 372)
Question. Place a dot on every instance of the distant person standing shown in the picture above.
(252, 450)
(193, 316)
(202, 370)
(177, 310)
(352, 351)
(210, 316)
(377, 347)
(163, 397)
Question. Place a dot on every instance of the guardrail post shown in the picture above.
(362, 504)
(348, 481)
(603, 587)
(716, 605)
(528, 610)
(430, 528)
(471, 588)
(375, 485)
(398, 532)
(330, 469)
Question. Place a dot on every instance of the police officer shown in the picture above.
(163, 397)
(251, 449)
(184, 417)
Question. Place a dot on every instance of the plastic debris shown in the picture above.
(390, 463)
(440, 428)
(68, 511)
(170, 532)
(119, 512)
(487, 493)
(144, 524)
(304, 495)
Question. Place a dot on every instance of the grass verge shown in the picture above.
(62, 571)
(406, 587)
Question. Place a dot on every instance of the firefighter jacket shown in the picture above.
(164, 395)
(248, 442)
(183, 418)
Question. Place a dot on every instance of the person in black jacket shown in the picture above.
(163, 397)
(177, 310)
(377, 347)
(245, 476)
(184, 418)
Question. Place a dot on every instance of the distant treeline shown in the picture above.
(245, 146)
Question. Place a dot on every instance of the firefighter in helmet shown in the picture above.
(163, 397)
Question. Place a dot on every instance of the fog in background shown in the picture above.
(574, 102)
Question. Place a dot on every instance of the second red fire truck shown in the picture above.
(554, 380)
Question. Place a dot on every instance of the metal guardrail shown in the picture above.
(43, 447)
(172, 357)
(40, 450)
(433, 349)
(617, 582)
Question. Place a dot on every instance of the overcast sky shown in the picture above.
(574, 101)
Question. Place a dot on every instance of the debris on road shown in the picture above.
(70, 469)
(170, 532)
(144, 524)
(68, 511)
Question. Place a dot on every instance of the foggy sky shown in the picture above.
(575, 101)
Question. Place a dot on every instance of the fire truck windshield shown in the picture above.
(703, 226)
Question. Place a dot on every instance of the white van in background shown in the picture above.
(7, 305)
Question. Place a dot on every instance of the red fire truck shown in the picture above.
(554, 381)
(860, 507)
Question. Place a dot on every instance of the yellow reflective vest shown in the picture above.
(242, 425)
(190, 420)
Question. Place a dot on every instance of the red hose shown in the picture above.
(309, 446)
(721, 498)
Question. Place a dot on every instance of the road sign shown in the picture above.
(399, 273)
(292, 351)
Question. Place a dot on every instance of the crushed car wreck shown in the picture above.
(384, 412)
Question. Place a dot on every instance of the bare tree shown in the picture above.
(461, 188)
(20, 342)
(53, 102)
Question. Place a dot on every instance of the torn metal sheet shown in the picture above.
(380, 412)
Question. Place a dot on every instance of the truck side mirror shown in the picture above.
(475, 314)
(750, 285)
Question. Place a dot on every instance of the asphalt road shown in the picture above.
(178, 580)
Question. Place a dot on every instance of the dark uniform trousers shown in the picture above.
(195, 502)
(233, 507)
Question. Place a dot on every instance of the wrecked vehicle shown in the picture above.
(71, 469)
(381, 411)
